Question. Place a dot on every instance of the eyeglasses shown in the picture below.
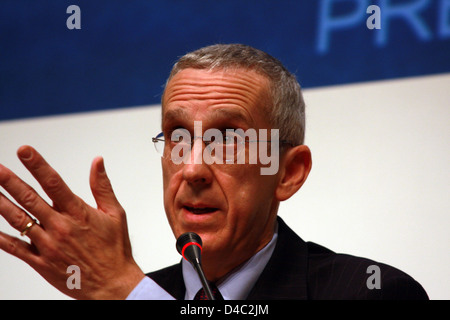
(229, 146)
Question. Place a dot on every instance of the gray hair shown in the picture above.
(287, 111)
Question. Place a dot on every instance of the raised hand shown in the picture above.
(69, 232)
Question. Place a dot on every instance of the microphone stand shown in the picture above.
(198, 267)
(189, 245)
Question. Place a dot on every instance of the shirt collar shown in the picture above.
(237, 284)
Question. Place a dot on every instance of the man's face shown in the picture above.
(232, 207)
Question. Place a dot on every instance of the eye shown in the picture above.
(231, 137)
(180, 135)
(228, 138)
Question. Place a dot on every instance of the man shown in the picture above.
(225, 197)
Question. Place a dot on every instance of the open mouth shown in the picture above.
(203, 210)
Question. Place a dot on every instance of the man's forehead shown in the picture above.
(234, 94)
(204, 81)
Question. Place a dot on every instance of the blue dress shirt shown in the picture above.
(235, 286)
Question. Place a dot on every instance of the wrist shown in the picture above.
(120, 286)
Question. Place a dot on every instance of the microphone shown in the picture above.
(189, 245)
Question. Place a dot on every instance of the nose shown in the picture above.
(197, 172)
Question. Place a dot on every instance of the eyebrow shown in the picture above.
(174, 114)
(230, 114)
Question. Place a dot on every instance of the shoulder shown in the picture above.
(342, 276)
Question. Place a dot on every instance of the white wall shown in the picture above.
(379, 187)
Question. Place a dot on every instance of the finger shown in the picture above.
(20, 220)
(49, 180)
(20, 249)
(26, 196)
(101, 187)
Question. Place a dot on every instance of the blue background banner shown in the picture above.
(124, 50)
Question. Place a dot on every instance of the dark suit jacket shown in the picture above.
(305, 270)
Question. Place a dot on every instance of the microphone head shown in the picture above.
(189, 245)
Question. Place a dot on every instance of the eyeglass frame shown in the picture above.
(158, 138)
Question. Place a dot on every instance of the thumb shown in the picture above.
(101, 187)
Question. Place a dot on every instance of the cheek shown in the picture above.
(171, 183)
(249, 198)
(172, 175)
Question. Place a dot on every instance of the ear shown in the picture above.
(294, 169)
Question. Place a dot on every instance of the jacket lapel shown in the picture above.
(171, 280)
(285, 276)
